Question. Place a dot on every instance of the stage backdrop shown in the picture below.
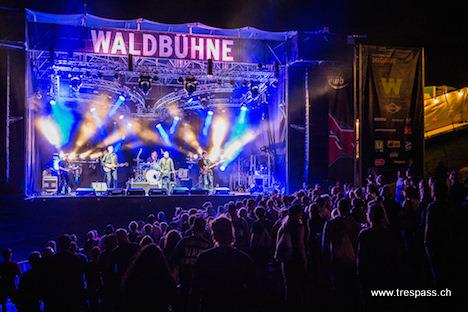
(390, 99)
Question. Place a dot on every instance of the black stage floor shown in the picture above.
(26, 225)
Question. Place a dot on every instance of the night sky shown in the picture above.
(441, 28)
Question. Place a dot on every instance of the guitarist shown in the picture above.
(167, 171)
(206, 173)
(109, 160)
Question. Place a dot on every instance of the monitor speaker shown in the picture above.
(199, 190)
(83, 191)
(157, 191)
(115, 191)
(137, 191)
(222, 190)
(180, 190)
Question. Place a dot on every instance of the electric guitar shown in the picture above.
(110, 167)
(206, 169)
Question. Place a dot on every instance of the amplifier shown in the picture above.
(49, 185)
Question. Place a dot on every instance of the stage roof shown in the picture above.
(88, 20)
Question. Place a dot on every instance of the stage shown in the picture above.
(32, 222)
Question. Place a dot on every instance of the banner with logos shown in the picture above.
(390, 98)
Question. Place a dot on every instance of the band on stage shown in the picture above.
(157, 171)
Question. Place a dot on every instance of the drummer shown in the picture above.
(152, 160)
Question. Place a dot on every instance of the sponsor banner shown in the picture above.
(391, 108)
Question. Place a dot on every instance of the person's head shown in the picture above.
(223, 232)
(74, 247)
(154, 155)
(73, 238)
(232, 210)
(439, 190)
(7, 254)
(91, 235)
(204, 154)
(133, 226)
(163, 226)
(199, 226)
(48, 252)
(376, 214)
(64, 242)
(109, 242)
(344, 207)
(146, 240)
(151, 218)
(122, 237)
(260, 212)
(148, 229)
(162, 216)
(109, 229)
(166, 154)
(171, 239)
(34, 259)
(110, 149)
(385, 192)
(295, 212)
(52, 244)
(243, 213)
(95, 252)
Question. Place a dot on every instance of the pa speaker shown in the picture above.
(222, 190)
(115, 191)
(157, 191)
(199, 190)
(83, 191)
(137, 191)
(180, 190)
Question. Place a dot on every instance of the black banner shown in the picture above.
(390, 101)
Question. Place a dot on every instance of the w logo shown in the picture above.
(391, 85)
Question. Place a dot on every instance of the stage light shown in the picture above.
(50, 130)
(210, 67)
(234, 147)
(52, 102)
(121, 117)
(254, 91)
(163, 134)
(175, 121)
(129, 125)
(222, 168)
(120, 100)
(190, 85)
(243, 108)
(460, 93)
(218, 134)
(92, 109)
(144, 82)
(75, 82)
(208, 120)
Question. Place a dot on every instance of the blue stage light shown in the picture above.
(64, 119)
(163, 134)
(208, 120)
(120, 100)
(244, 108)
(52, 102)
(175, 121)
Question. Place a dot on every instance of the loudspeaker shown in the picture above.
(99, 187)
(49, 185)
(157, 191)
(180, 190)
(137, 191)
(84, 191)
(115, 191)
(199, 190)
(222, 190)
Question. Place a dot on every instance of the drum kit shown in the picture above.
(148, 172)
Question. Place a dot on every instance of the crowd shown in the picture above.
(315, 249)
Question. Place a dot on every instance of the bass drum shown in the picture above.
(152, 177)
